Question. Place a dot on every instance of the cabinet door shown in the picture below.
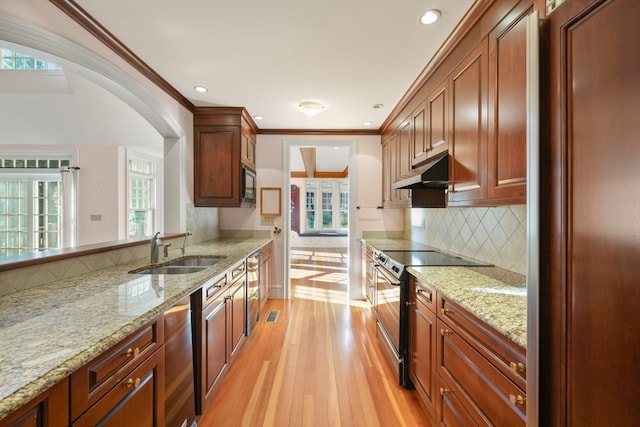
(138, 399)
(387, 181)
(437, 121)
(238, 306)
(507, 110)
(265, 274)
(419, 144)
(422, 347)
(403, 153)
(215, 357)
(50, 409)
(217, 166)
(468, 86)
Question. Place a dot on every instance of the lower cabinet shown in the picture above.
(422, 343)
(124, 385)
(49, 409)
(223, 328)
(464, 371)
(480, 373)
(265, 273)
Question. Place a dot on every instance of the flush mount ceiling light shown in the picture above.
(200, 89)
(430, 16)
(258, 117)
(310, 108)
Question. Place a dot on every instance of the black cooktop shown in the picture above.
(430, 258)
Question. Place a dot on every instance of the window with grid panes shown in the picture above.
(31, 200)
(12, 60)
(327, 205)
(141, 196)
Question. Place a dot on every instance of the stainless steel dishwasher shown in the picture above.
(179, 381)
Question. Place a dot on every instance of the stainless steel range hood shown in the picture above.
(433, 174)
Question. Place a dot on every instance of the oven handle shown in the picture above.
(386, 337)
(391, 279)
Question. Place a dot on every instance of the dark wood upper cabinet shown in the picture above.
(468, 84)
(430, 126)
(224, 139)
(507, 112)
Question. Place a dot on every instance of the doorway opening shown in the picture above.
(320, 177)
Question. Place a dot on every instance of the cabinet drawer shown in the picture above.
(237, 271)
(505, 354)
(212, 289)
(134, 400)
(489, 396)
(424, 294)
(98, 377)
(450, 411)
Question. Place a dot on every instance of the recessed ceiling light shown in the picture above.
(200, 89)
(430, 16)
(377, 106)
(258, 117)
(367, 123)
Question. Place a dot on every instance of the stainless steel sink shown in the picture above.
(196, 260)
(183, 265)
(169, 269)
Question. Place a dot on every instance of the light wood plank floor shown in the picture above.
(319, 364)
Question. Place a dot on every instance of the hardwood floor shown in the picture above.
(319, 364)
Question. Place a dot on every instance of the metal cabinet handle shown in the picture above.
(444, 332)
(518, 367)
(409, 303)
(444, 390)
(132, 352)
(446, 312)
(131, 383)
(516, 399)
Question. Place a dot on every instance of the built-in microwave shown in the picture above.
(248, 183)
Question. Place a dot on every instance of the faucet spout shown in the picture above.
(184, 242)
(155, 248)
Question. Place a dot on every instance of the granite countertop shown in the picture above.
(50, 331)
(494, 295)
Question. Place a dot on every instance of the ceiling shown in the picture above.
(268, 56)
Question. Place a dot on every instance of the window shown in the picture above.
(12, 60)
(141, 196)
(332, 198)
(31, 205)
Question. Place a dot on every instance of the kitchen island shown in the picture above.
(50, 331)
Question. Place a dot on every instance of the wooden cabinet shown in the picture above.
(589, 291)
(481, 373)
(430, 126)
(507, 113)
(468, 83)
(396, 162)
(238, 306)
(368, 272)
(422, 343)
(264, 274)
(222, 329)
(215, 355)
(49, 409)
(124, 385)
(224, 138)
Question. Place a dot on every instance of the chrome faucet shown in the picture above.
(166, 250)
(184, 242)
(155, 248)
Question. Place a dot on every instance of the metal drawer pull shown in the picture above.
(518, 367)
(446, 312)
(408, 303)
(444, 332)
(444, 391)
(516, 400)
(131, 383)
(132, 352)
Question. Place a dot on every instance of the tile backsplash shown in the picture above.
(496, 234)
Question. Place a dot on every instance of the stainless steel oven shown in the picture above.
(392, 288)
(390, 321)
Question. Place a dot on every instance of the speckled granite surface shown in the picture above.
(494, 295)
(50, 331)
